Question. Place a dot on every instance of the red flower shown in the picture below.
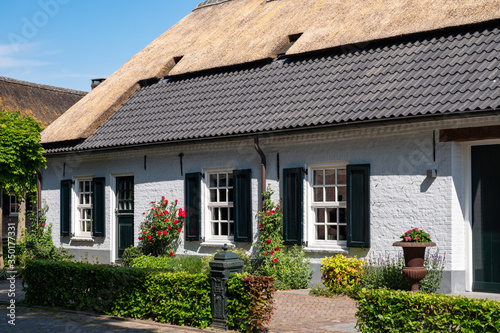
(175, 222)
(143, 213)
(271, 212)
(264, 253)
(43, 224)
(152, 202)
(140, 238)
(169, 227)
(175, 200)
(260, 225)
(149, 236)
(277, 249)
(159, 232)
(161, 213)
(166, 219)
(172, 254)
(268, 241)
(182, 213)
(166, 212)
(272, 251)
(179, 230)
(144, 232)
(275, 260)
(163, 197)
(164, 232)
(166, 201)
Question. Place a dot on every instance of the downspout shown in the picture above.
(263, 168)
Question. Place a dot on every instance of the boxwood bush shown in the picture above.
(402, 311)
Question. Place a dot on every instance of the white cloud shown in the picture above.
(9, 62)
(21, 55)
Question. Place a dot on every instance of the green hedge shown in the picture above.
(401, 311)
(178, 298)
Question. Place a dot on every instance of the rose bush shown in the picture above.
(161, 227)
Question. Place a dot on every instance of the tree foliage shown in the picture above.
(21, 154)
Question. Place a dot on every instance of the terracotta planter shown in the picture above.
(414, 254)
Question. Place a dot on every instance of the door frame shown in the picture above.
(114, 217)
(467, 153)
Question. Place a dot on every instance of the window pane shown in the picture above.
(318, 194)
(341, 193)
(320, 232)
(230, 179)
(231, 213)
(318, 177)
(231, 229)
(222, 180)
(320, 215)
(230, 195)
(330, 176)
(342, 232)
(215, 214)
(341, 176)
(87, 186)
(80, 187)
(87, 199)
(215, 229)
(222, 195)
(342, 215)
(88, 226)
(332, 215)
(224, 229)
(224, 214)
(213, 195)
(213, 180)
(332, 232)
(330, 194)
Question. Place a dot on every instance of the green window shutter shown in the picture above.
(242, 205)
(98, 207)
(293, 195)
(66, 192)
(358, 205)
(192, 200)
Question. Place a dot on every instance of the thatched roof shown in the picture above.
(41, 102)
(225, 33)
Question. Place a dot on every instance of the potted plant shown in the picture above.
(414, 242)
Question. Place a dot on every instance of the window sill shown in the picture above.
(82, 239)
(216, 244)
(322, 249)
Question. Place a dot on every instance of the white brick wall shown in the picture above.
(401, 195)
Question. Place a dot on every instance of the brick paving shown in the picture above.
(295, 311)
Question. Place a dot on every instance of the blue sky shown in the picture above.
(66, 43)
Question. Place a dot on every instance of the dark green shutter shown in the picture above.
(358, 205)
(293, 195)
(192, 200)
(98, 207)
(66, 192)
(242, 205)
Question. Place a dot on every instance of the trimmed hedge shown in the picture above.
(402, 311)
(178, 298)
(174, 297)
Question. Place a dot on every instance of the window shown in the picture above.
(84, 206)
(13, 205)
(336, 201)
(329, 195)
(220, 204)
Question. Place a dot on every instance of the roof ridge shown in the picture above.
(208, 3)
(43, 86)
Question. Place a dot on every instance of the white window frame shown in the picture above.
(208, 205)
(311, 206)
(78, 207)
(16, 202)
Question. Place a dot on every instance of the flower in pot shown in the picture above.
(414, 242)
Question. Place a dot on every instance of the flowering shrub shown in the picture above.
(270, 229)
(161, 227)
(341, 274)
(416, 235)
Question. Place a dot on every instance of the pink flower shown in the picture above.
(164, 232)
(415, 228)
(408, 239)
(179, 230)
